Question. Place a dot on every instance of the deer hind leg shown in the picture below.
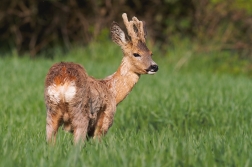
(80, 128)
(80, 121)
(53, 121)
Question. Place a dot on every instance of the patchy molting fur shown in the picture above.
(86, 106)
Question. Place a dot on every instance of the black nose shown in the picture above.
(154, 68)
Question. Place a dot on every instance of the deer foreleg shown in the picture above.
(105, 120)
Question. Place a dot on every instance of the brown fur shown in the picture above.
(86, 106)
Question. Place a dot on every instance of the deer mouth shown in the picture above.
(151, 72)
(152, 69)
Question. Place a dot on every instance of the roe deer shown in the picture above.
(86, 106)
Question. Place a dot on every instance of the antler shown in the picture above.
(135, 28)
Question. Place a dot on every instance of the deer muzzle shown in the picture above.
(152, 69)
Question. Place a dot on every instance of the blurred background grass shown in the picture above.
(185, 115)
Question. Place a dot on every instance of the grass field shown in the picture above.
(185, 115)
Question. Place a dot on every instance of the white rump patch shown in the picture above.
(64, 92)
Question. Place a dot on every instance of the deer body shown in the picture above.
(86, 106)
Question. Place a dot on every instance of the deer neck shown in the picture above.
(122, 81)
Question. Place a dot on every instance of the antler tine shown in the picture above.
(130, 29)
(140, 27)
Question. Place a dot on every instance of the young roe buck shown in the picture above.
(86, 106)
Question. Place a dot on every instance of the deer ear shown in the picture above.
(145, 29)
(117, 34)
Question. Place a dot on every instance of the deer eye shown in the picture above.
(136, 55)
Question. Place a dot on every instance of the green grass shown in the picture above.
(185, 115)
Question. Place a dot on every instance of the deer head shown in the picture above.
(136, 54)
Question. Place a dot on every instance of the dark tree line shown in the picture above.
(36, 25)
